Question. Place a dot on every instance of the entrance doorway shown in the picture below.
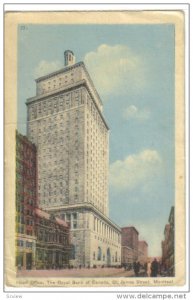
(28, 261)
(108, 257)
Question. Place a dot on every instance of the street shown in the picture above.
(83, 272)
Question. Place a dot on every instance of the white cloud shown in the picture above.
(133, 112)
(135, 170)
(45, 67)
(116, 69)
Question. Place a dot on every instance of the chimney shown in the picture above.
(69, 58)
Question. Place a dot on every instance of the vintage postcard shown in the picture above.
(94, 149)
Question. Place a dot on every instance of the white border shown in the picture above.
(76, 5)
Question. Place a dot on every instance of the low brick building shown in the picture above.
(53, 248)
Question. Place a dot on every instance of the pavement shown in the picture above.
(83, 272)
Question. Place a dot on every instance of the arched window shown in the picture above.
(99, 253)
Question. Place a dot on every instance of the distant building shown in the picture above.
(25, 202)
(129, 244)
(53, 248)
(168, 251)
(142, 252)
(66, 123)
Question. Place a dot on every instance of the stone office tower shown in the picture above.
(65, 122)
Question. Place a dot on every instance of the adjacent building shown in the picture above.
(53, 248)
(171, 251)
(142, 252)
(165, 247)
(129, 244)
(66, 124)
(168, 252)
(25, 202)
(42, 241)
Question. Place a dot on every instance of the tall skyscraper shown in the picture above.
(65, 122)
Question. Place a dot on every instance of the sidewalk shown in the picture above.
(98, 272)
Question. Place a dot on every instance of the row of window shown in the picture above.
(107, 241)
(48, 109)
(62, 126)
(99, 256)
(52, 237)
(26, 244)
(102, 228)
(23, 220)
(50, 84)
(93, 120)
(23, 230)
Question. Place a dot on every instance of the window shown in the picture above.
(29, 232)
(73, 252)
(68, 217)
(28, 244)
(75, 216)
(116, 257)
(99, 253)
(20, 243)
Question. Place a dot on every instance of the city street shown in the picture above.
(98, 272)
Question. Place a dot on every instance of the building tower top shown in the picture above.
(69, 58)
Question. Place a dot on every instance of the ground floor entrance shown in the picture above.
(28, 261)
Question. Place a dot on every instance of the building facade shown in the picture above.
(25, 202)
(165, 247)
(129, 244)
(53, 248)
(42, 241)
(168, 251)
(142, 252)
(66, 124)
(171, 249)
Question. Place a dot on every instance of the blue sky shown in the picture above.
(132, 67)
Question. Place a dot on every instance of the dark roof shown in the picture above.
(43, 214)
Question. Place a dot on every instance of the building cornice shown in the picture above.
(65, 69)
(130, 227)
(79, 84)
(68, 68)
(85, 206)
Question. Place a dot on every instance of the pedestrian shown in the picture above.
(154, 268)
(149, 269)
(145, 268)
(136, 267)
